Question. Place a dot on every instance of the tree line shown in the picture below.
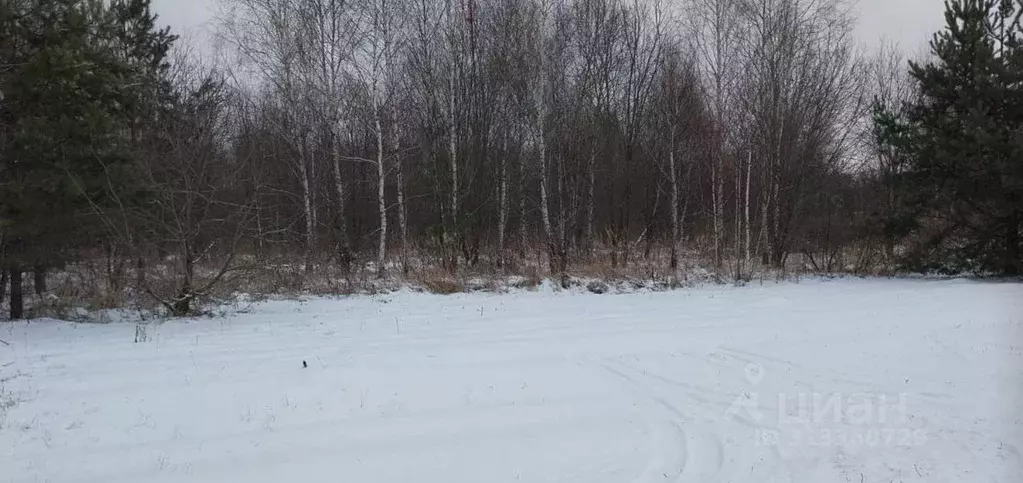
(387, 135)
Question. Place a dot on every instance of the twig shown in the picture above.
(4, 342)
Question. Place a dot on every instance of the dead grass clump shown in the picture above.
(442, 286)
(530, 280)
(99, 283)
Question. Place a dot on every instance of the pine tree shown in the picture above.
(76, 77)
(962, 184)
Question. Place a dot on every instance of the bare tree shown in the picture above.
(598, 29)
(573, 91)
(804, 101)
(455, 38)
(198, 209)
(265, 35)
(379, 52)
(541, 107)
(680, 112)
(329, 36)
(717, 28)
(889, 87)
(643, 35)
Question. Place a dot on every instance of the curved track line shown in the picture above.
(697, 458)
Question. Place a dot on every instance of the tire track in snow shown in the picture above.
(697, 452)
(701, 423)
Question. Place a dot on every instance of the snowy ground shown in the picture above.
(851, 380)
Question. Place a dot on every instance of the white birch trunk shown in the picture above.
(310, 239)
(314, 216)
(561, 206)
(502, 220)
(737, 225)
(452, 124)
(381, 200)
(544, 211)
(339, 189)
(746, 218)
(717, 207)
(675, 228)
(453, 155)
(765, 215)
(380, 57)
(590, 201)
(775, 224)
(776, 205)
(522, 207)
(400, 188)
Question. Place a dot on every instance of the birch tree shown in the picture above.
(380, 51)
(454, 37)
(540, 92)
(643, 35)
(804, 105)
(679, 115)
(716, 31)
(264, 34)
(330, 37)
(598, 30)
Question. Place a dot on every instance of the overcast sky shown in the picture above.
(908, 22)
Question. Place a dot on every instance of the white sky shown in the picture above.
(910, 23)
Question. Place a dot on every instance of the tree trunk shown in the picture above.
(140, 270)
(453, 166)
(1012, 241)
(544, 211)
(562, 240)
(313, 211)
(778, 242)
(307, 204)
(746, 217)
(182, 306)
(344, 251)
(765, 217)
(674, 201)
(717, 181)
(260, 239)
(453, 142)
(115, 267)
(400, 188)
(718, 207)
(381, 201)
(39, 279)
(17, 295)
(522, 206)
(502, 219)
(774, 231)
(3, 269)
(590, 202)
(552, 251)
(737, 213)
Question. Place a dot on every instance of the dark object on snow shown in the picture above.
(304, 365)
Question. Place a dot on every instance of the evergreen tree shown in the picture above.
(78, 75)
(962, 141)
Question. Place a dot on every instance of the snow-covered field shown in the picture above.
(848, 380)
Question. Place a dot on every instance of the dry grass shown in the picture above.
(7, 401)
(86, 287)
(442, 286)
